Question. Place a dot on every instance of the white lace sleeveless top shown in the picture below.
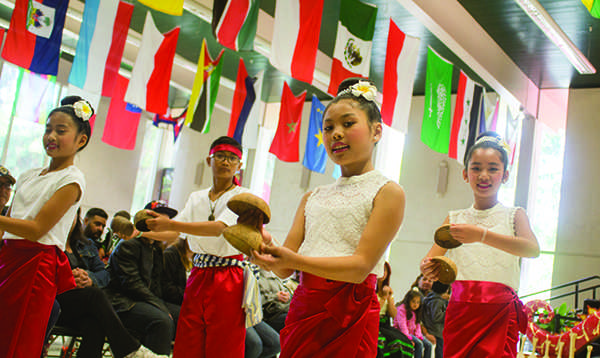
(336, 215)
(480, 262)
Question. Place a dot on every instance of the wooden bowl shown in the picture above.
(241, 203)
(448, 269)
(245, 238)
(444, 239)
(140, 218)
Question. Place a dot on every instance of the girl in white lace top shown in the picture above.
(484, 314)
(338, 237)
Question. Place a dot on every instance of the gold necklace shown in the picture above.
(211, 217)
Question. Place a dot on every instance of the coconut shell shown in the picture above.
(241, 203)
(444, 239)
(448, 269)
(140, 218)
(243, 237)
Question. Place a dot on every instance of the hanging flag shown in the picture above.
(176, 122)
(120, 129)
(287, 138)
(234, 23)
(593, 7)
(252, 128)
(468, 103)
(352, 53)
(435, 131)
(100, 34)
(512, 134)
(243, 99)
(151, 74)
(171, 7)
(204, 91)
(399, 76)
(115, 54)
(296, 30)
(315, 155)
(492, 120)
(35, 34)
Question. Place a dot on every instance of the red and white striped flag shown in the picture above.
(466, 117)
(399, 76)
(296, 37)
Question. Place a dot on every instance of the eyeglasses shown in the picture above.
(233, 159)
(6, 186)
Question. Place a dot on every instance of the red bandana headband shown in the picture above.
(227, 147)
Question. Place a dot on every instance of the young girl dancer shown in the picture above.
(338, 238)
(484, 314)
(33, 267)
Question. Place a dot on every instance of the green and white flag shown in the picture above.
(435, 131)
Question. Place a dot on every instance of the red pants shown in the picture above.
(331, 319)
(31, 275)
(482, 320)
(212, 321)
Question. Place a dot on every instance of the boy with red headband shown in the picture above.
(212, 321)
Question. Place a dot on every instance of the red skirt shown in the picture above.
(31, 275)
(331, 319)
(483, 320)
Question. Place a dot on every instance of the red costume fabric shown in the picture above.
(212, 321)
(331, 319)
(31, 275)
(483, 320)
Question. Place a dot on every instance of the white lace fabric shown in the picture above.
(336, 215)
(480, 262)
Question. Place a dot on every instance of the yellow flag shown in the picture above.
(197, 86)
(171, 7)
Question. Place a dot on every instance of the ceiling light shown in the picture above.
(551, 29)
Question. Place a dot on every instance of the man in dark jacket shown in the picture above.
(434, 313)
(136, 269)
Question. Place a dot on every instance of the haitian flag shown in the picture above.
(287, 137)
(35, 34)
(315, 155)
(120, 129)
(243, 99)
(101, 41)
(151, 74)
(234, 23)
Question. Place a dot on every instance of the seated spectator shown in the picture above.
(6, 184)
(87, 309)
(262, 341)
(434, 313)
(120, 228)
(408, 322)
(93, 226)
(136, 269)
(178, 263)
(422, 284)
(275, 298)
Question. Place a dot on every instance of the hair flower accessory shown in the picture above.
(501, 142)
(365, 89)
(83, 110)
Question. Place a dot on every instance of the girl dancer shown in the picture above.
(338, 238)
(484, 314)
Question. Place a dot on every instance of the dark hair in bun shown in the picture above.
(369, 107)
(83, 124)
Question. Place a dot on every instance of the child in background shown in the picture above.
(408, 321)
(33, 266)
(484, 314)
(338, 238)
(434, 313)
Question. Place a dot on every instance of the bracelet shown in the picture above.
(484, 234)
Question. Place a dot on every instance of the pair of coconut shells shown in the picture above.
(448, 269)
(243, 236)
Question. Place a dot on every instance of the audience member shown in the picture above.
(178, 263)
(6, 184)
(136, 269)
(275, 298)
(423, 284)
(262, 341)
(87, 309)
(408, 322)
(120, 228)
(93, 226)
(434, 313)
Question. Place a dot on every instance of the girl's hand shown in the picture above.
(430, 269)
(159, 222)
(386, 291)
(267, 237)
(272, 258)
(466, 233)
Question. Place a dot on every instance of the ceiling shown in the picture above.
(504, 21)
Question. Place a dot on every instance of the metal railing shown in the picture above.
(579, 287)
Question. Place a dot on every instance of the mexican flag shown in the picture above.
(435, 131)
(352, 53)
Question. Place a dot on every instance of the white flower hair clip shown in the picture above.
(83, 110)
(362, 88)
